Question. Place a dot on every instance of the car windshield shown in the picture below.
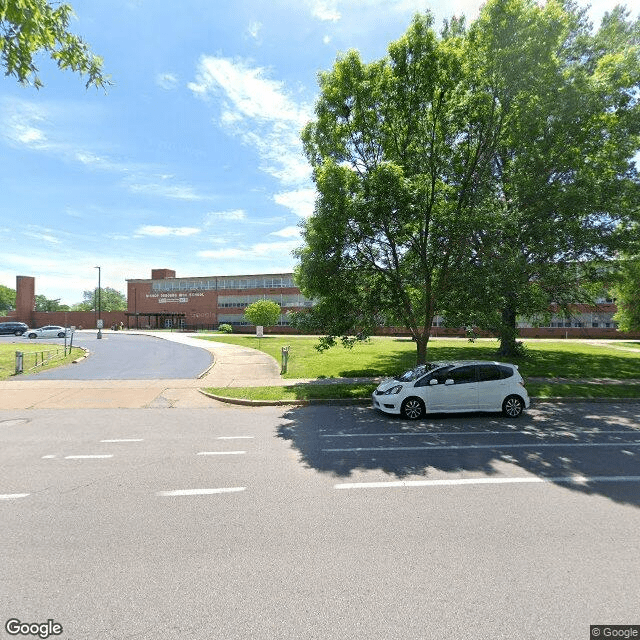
(416, 372)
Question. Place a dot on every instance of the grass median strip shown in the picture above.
(297, 392)
(292, 393)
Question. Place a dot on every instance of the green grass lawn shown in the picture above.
(8, 357)
(385, 356)
(341, 391)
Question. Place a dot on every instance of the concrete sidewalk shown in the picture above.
(233, 366)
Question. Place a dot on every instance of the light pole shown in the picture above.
(99, 309)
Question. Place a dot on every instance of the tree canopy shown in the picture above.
(28, 27)
(263, 313)
(110, 300)
(7, 298)
(472, 174)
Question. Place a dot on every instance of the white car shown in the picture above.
(50, 331)
(452, 387)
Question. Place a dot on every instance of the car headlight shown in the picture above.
(394, 390)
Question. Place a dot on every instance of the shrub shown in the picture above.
(225, 328)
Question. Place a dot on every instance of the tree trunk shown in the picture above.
(508, 332)
(422, 340)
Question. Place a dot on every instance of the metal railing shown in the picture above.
(40, 358)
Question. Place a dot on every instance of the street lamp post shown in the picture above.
(99, 308)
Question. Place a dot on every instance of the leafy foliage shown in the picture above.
(31, 26)
(263, 313)
(627, 294)
(110, 300)
(45, 304)
(225, 328)
(478, 174)
(7, 298)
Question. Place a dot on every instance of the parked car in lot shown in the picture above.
(452, 387)
(50, 331)
(14, 328)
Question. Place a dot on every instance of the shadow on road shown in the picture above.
(549, 441)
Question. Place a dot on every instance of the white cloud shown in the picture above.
(253, 31)
(156, 230)
(215, 216)
(301, 202)
(23, 123)
(162, 187)
(260, 251)
(260, 111)
(325, 10)
(287, 232)
(167, 81)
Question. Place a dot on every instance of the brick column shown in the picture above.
(25, 299)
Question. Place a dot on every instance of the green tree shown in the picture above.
(28, 27)
(563, 175)
(263, 313)
(399, 156)
(7, 298)
(45, 304)
(627, 294)
(110, 300)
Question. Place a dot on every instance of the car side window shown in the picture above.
(463, 375)
(439, 374)
(487, 372)
(505, 372)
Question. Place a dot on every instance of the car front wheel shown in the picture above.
(513, 406)
(18, 333)
(32, 335)
(412, 408)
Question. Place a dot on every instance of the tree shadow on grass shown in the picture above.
(550, 441)
(537, 363)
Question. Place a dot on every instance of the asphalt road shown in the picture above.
(320, 522)
(124, 356)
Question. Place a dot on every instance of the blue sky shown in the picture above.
(191, 160)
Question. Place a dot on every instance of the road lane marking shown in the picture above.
(221, 453)
(50, 457)
(89, 457)
(581, 480)
(124, 440)
(453, 447)
(12, 496)
(236, 437)
(433, 434)
(199, 492)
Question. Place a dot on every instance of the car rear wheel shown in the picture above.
(513, 406)
(413, 408)
(61, 334)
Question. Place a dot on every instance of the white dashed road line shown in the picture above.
(124, 440)
(236, 437)
(13, 496)
(454, 447)
(199, 492)
(580, 480)
(89, 457)
(221, 453)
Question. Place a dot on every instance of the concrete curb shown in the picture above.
(81, 358)
(367, 401)
(280, 403)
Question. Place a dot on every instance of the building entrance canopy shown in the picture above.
(162, 320)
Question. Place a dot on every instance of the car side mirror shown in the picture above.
(433, 382)
(448, 381)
